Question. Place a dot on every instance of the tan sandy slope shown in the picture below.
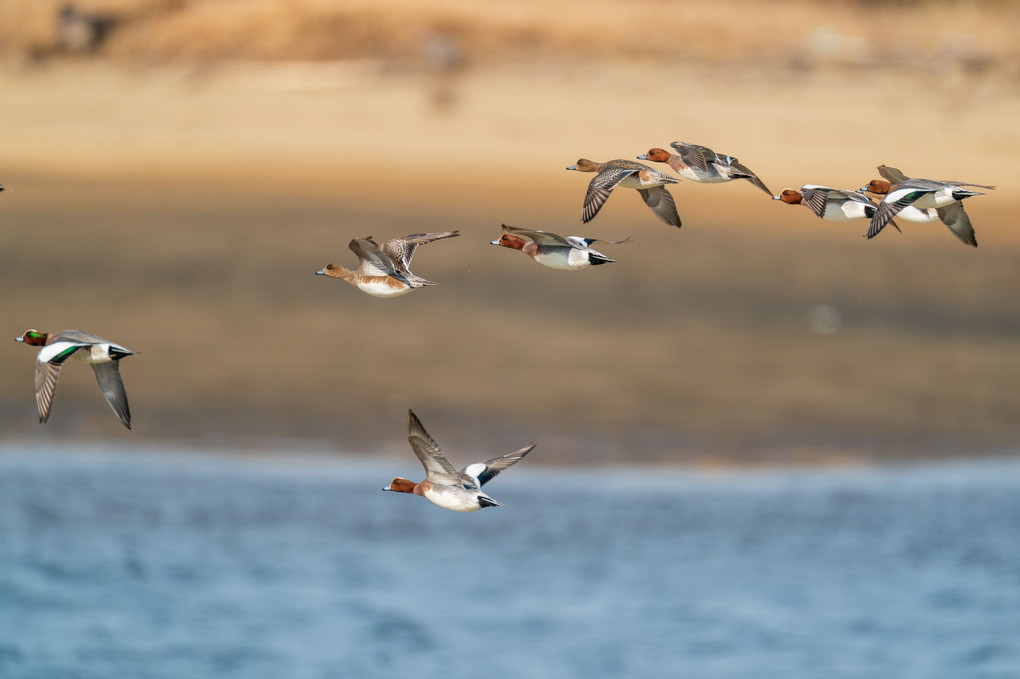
(182, 209)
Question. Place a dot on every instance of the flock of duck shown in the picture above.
(384, 271)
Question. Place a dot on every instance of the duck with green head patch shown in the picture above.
(101, 354)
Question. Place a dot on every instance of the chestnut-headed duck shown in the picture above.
(444, 485)
(383, 270)
(650, 183)
(829, 203)
(101, 354)
(569, 253)
(702, 164)
(901, 192)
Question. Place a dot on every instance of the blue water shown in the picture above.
(136, 564)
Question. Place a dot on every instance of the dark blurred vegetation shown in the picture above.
(454, 33)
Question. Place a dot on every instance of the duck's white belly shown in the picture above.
(913, 214)
(569, 261)
(846, 210)
(712, 176)
(841, 212)
(381, 288)
(454, 498)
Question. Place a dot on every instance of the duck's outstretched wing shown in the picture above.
(488, 470)
(601, 185)
(108, 376)
(744, 172)
(425, 447)
(816, 198)
(46, 376)
(539, 237)
(374, 261)
(892, 175)
(695, 155)
(400, 251)
(47, 371)
(661, 203)
(958, 221)
(891, 205)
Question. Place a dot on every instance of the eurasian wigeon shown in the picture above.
(101, 354)
(553, 250)
(901, 192)
(650, 183)
(828, 203)
(383, 270)
(444, 485)
(702, 164)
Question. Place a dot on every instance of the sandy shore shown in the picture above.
(182, 211)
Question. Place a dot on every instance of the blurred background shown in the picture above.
(178, 170)
(766, 445)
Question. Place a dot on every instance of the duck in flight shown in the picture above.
(383, 269)
(460, 491)
(104, 357)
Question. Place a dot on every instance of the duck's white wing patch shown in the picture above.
(906, 195)
(58, 352)
(488, 470)
(474, 470)
(470, 482)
